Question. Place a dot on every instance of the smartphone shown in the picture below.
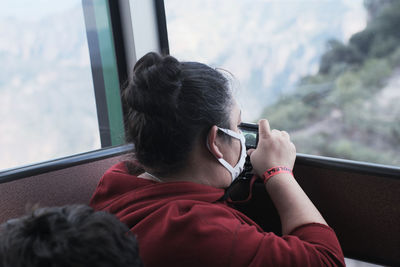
(250, 132)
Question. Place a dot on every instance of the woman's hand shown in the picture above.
(274, 149)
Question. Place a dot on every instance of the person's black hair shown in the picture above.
(170, 105)
(67, 236)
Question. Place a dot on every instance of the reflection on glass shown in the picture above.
(328, 71)
(47, 106)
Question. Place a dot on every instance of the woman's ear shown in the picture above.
(213, 142)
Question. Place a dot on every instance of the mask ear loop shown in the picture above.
(227, 166)
(230, 132)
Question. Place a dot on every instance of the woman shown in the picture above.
(183, 121)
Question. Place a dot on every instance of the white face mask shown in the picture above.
(235, 171)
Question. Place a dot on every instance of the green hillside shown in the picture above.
(350, 108)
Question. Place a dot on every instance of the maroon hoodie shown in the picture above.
(186, 224)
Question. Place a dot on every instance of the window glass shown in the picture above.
(328, 72)
(47, 103)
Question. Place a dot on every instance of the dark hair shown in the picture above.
(67, 236)
(170, 105)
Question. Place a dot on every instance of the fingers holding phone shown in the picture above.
(274, 149)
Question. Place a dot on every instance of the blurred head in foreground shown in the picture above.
(67, 236)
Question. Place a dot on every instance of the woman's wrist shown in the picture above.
(274, 171)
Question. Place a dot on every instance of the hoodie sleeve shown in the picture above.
(308, 245)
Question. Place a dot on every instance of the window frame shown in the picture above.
(124, 45)
(105, 69)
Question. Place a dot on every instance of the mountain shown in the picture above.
(267, 45)
(349, 109)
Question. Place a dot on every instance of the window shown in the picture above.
(328, 72)
(47, 93)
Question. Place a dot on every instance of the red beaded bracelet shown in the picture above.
(274, 171)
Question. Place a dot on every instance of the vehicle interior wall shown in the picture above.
(362, 208)
(72, 185)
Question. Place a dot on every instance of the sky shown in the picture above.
(35, 9)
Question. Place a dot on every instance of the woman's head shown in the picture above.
(171, 105)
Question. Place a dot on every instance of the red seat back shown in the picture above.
(72, 185)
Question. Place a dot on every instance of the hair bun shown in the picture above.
(156, 85)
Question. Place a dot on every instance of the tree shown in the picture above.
(339, 53)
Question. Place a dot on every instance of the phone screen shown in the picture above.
(250, 132)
